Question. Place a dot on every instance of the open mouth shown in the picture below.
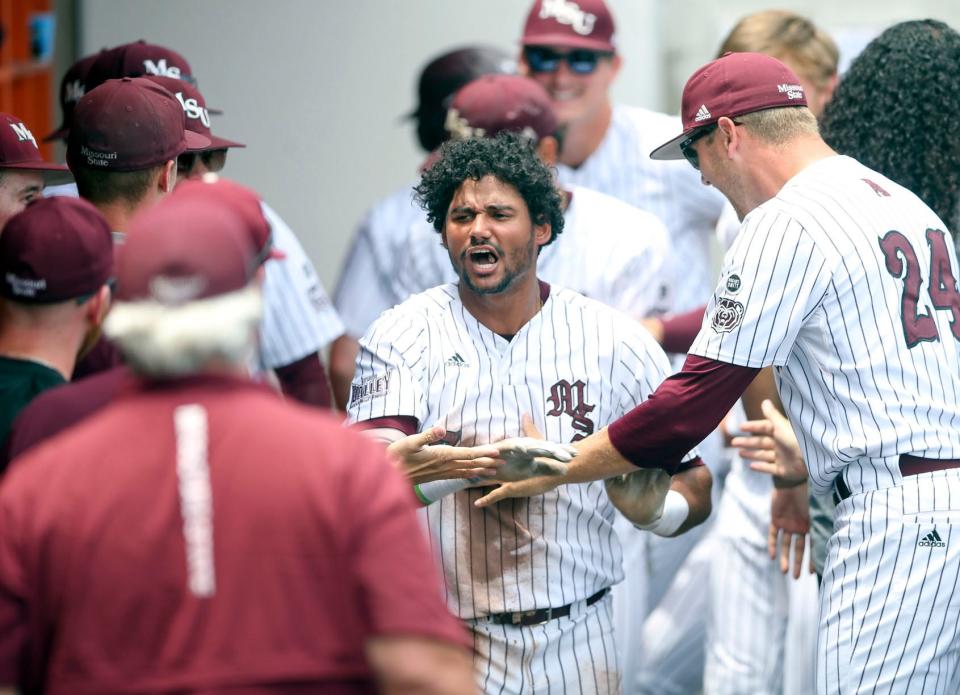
(483, 259)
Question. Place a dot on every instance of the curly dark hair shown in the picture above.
(894, 111)
(509, 157)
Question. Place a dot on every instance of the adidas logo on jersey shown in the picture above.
(702, 114)
(457, 361)
(932, 540)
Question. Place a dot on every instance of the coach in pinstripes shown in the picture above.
(531, 578)
(846, 282)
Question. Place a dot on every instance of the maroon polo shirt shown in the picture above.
(313, 542)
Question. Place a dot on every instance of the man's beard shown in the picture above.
(518, 266)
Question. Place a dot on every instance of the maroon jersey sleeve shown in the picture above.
(680, 330)
(680, 413)
(392, 562)
(306, 381)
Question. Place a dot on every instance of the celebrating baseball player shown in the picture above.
(530, 578)
(846, 283)
(609, 251)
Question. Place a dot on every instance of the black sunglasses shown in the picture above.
(580, 61)
(686, 147)
(213, 160)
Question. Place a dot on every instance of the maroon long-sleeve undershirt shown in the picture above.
(680, 413)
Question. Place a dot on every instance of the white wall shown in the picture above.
(316, 87)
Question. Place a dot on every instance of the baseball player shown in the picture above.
(23, 171)
(366, 285)
(846, 282)
(751, 601)
(185, 559)
(299, 320)
(609, 251)
(531, 579)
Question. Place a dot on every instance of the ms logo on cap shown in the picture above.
(23, 133)
(161, 68)
(569, 13)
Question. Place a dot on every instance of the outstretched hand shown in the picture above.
(773, 447)
(422, 461)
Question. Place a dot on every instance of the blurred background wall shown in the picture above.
(317, 88)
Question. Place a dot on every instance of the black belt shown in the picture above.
(909, 465)
(541, 615)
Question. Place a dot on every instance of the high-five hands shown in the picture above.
(423, 461)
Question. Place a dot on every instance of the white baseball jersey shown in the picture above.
(298, 318)
(575, 366)
(608, 251)
(671, 190)
(366, 285)
(830, 281)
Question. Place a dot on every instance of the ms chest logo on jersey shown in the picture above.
(570, 399)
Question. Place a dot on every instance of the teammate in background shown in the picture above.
(609, 251)
(568, 48)
(365, 288)
(23, 171)
(55, 411)
(299, 320)
(225, 581)
(824, 273)
(531, 579)
(56, 259)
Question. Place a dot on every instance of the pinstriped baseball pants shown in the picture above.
(890, 599)
(572, 655)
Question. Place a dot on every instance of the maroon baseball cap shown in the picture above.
(732, 85)
(183, 249)
(137, 59)
(56, 249)
(570, 24)
(493, 103)
(195, 110)
(129, 124)
(18, 150)
(244, 201)
(72, 87)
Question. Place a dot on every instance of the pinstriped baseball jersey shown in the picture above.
(608, 251)
(621, 167)
(365, 288)
(847, 283)
(298, 318)
(575, 366)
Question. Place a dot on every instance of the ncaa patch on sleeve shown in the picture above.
(727, 315)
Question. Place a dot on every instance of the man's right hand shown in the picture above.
(423, 461)
(773, 447)
(639, 496)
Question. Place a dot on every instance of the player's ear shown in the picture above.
(730, 136)
(549, 150)
(168, 177)
(542, 233)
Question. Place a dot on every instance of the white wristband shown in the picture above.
(428, 493)
(675, 512)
